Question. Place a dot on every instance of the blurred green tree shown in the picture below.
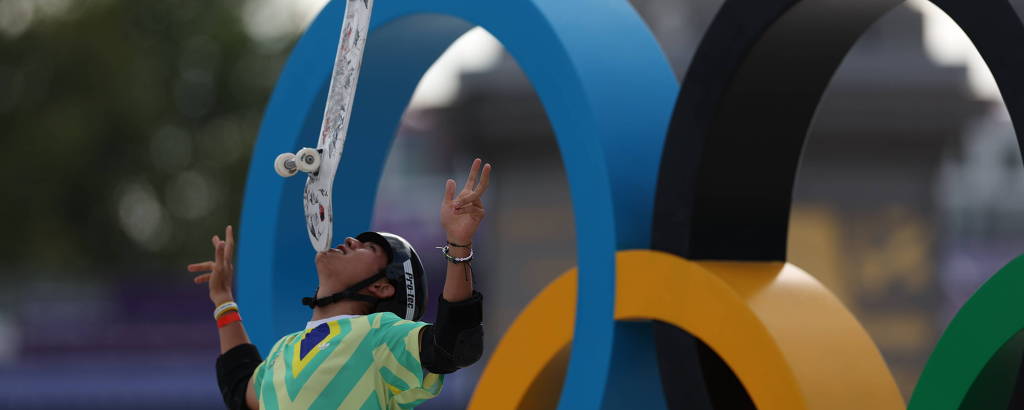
(127, 129)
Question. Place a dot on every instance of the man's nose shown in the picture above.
(351, 242)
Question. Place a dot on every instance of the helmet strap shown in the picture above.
(349, 294)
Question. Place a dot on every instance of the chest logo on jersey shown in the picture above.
(313, 341)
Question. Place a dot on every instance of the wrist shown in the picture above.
(459, 241)
(221, 298)
(226, 313)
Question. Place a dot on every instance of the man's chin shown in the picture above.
(321, 258)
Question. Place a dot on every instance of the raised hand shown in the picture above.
(461, 215)
(220, 272)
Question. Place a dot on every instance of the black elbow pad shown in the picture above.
(457, 339)
(469, 346)
(234, 368)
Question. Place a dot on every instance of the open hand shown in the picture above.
(461, 215)
(220, 272)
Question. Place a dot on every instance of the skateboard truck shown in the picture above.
(306, 160)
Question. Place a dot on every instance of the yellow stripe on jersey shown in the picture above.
(361, 392)
(280, 390)
(382, 354)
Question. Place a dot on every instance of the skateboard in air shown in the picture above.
(320, 163)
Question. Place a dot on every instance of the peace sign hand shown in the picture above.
(220, 272)
(461, 215)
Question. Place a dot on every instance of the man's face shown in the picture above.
(352, 260)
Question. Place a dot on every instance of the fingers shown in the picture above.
(485, 179)
(218, 258)
(449, 191)
(476, 184)
(475, 194)
(223, 251)
(201, 267)
(471, 180)
(229, 246)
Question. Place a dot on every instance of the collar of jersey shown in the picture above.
(315, 323)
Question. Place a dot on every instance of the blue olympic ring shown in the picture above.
(608, 91)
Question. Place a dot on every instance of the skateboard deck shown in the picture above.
(337, 113)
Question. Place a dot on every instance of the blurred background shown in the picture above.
(128, 128)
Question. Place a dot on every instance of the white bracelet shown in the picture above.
(224, 307)
(452, 259)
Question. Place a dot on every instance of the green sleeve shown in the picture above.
(398, 358)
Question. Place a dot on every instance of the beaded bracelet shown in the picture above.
(452, 259)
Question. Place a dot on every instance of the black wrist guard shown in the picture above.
(457, 339)
(234, 368)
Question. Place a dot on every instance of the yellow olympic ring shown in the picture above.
(789, 340)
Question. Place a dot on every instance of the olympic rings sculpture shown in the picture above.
(663, 179)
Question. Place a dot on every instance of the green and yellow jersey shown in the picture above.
(347, 362)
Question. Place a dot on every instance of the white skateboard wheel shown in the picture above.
(285, 165)
(307, 160)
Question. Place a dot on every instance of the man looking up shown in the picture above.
(362, 348)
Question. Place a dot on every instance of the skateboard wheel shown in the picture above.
(285, 165)
(307, 160)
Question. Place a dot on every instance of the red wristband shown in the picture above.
(228, 318)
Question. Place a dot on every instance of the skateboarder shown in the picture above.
(362, 348)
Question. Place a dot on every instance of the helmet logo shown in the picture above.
(410, 290)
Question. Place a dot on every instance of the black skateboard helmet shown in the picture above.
(405, 272)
